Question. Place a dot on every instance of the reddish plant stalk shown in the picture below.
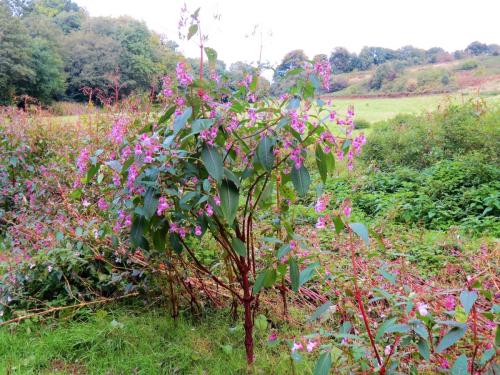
(361, 306)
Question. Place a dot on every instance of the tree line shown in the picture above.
(53, 50)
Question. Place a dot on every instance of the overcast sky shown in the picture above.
(316, 26)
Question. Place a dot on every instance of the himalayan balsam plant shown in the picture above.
(212, 164)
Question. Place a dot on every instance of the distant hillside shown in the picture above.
(395, 79)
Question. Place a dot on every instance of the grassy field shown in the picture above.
(379, 109)
(120, 341)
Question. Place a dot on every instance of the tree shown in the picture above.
(16, 72)
(342, 61)
(292, 60)
(477, 48)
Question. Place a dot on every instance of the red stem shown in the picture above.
(361, 306)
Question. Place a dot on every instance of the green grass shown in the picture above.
(139, 342)
(374, 110)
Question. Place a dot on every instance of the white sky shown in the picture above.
(316, 26)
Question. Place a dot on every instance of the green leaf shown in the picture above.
(175, 241)
(212, 55)
(451, 337)
(339, 224)
(324, 364)
(259, 282)
(398, 328)
(487, 355)
(307, 273)
(265, 153)
(193, 29)
(460, 366)
(180, 121)
(294, 274)
(239, 247)
(213, 162)
(423, 349)
(325, 162)
(229, 197)
(137, 233)
(467, 298)
(383, 327)
(320, 311)
(497, 336)
(160, 239)
(261, 322)
(265, 279)
(166, 116)
(201, 124)
(283, 250)
(361, 231)
(301, 180)
(150, 203)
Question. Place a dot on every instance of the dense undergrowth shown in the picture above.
(435, 220)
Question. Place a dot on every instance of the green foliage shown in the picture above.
(420, 141)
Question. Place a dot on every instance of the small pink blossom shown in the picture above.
(102, 204)
(311, 345)
(197, 230)
(297, 346)
(422, 308)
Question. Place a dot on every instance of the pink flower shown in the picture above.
(119, 130)
(162, 206)
(101, 204)
(449, 302)
(217, 200)
(311, 345)
(347, 210)
(387, 350)
(321, 204)
(272, 337)
(297, 346)
(182, 76)
(82, 160)
(321, 224)
(209, 210)
(197, 230)
(422, 308)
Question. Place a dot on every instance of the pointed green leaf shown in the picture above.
(213, 162)
(325, 162)
(467, 298)
(229, 197)
(180, 121)
(361, 231)
(423, 349)
(193, 29)
(307, 273)
(460, 366)
(150, 203)
(451, 337)
(239, 247)
(283, 250)
(212, 56)
(320, 311)
(301, 180)
(324, 364)
(265, 153)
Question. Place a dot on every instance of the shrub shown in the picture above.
(468, 65)
(420, 141)
(360, 123)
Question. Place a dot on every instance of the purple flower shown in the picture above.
(449, 302)
(102, 204)
(162, 206)
(197, 230)
(182, 76)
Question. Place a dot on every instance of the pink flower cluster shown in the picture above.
(209, 135)
(83, 160)
(324, 71)
(297, 123)
(163, 205)
(119, 130)
(183, 77)
(167, 91)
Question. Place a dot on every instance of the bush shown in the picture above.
(468, 65)
(420, 141)
(361, 124)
